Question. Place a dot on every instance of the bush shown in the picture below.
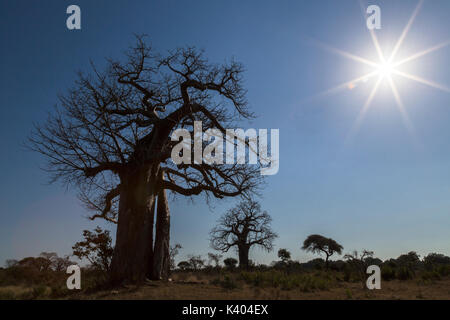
(404, 273)
(387, 273)
(39, 291)
(431, 275)
(227, 283)
(285, 281)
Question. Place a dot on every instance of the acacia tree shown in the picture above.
(243, 227)
(316, 243)
(284, 255)
(111, 137)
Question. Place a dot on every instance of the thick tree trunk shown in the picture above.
(161, 256)
(133, 252)
(243, 256)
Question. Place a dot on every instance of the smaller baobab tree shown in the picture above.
(243, 227)
(318, 244)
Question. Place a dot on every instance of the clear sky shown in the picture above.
(385, 189)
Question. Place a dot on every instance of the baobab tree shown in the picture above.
(241, 228)
(111, 137)
(316, 243)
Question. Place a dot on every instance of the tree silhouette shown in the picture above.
(243, 227)
(318, 244)
(174, 250)
(111, 137)
(359, 262)
(196, 262)
(96, 248)
(184, 265)
(213, 257)
(230, 263)
(284, 255)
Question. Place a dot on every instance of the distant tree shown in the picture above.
(318, 244)
(284, 255)
(38, 263)
(230, 263)
(49, 256)
(317, 263)
(174, 250)
(359, 263)
(55, 262)
(410, 260)
(61, 264)
(214, 258)
(434, 259)
(96, 248)
(243, 227)
(184, 265)
(196, 262)
(10, 263)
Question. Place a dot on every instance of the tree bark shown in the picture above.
(133, 252)
(161, 257)
(243, 256)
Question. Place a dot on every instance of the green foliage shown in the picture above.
(349, 294)
(387, 273)
(96, 248)
(404, 273)
(228, 282)
(430, 275)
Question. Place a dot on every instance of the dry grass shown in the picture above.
(247, 286)
(193, 288)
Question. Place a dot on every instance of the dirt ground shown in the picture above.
(390, 290)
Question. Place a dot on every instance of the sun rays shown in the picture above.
(384, 69)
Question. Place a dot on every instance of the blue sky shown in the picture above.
(385, 190)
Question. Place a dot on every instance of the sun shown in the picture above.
(384, 69)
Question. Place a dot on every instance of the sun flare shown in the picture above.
(384, 69)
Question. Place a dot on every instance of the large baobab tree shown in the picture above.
(316, 243)
(111, 136)
(243, 227)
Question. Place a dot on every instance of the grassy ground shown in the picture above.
(252, 285)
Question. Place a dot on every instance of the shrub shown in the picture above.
(387, 273)
(404, 273)
(431, 275)
(228, 283)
